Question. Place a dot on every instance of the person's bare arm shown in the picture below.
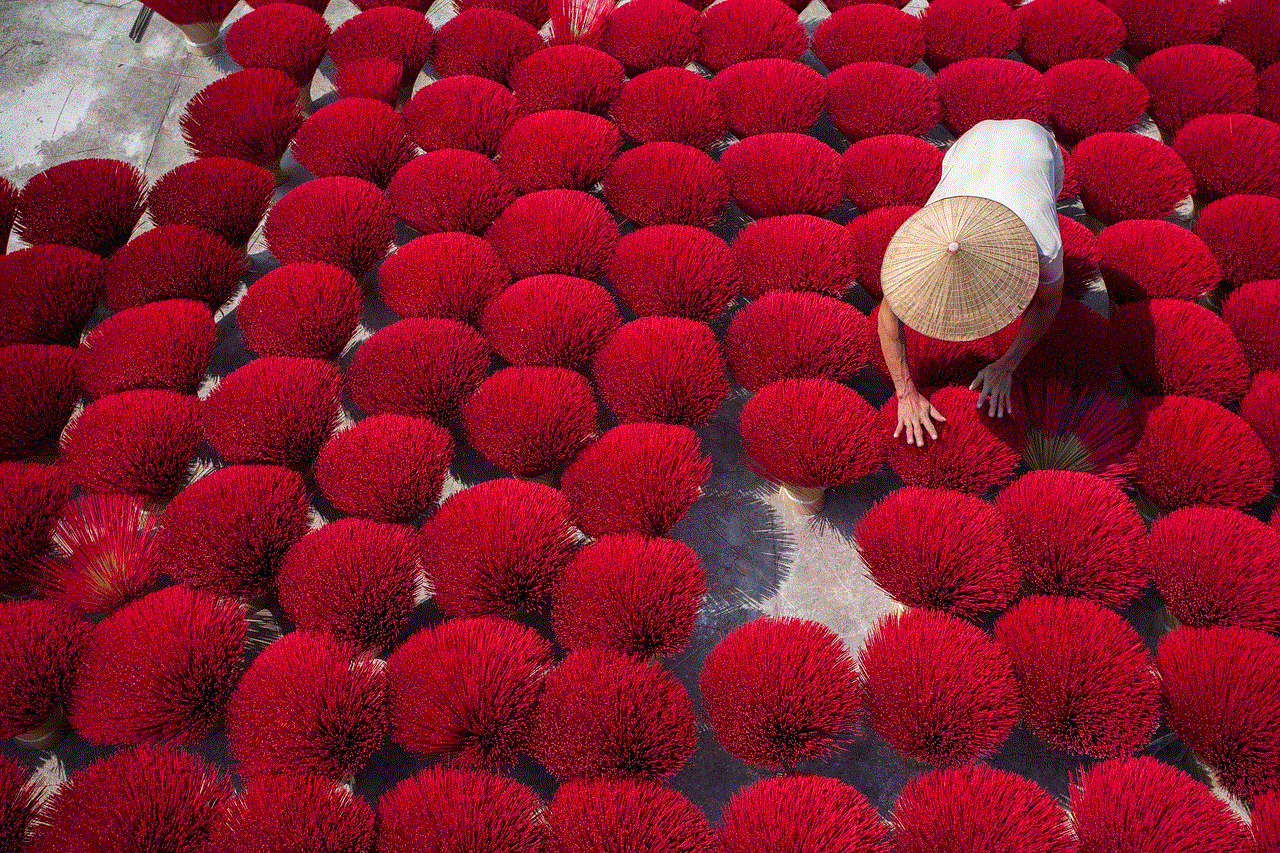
(994, 383)
(915, 414)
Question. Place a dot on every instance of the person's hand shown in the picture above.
(915, 417)
(994, 384)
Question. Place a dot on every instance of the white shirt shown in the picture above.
(1017, 163)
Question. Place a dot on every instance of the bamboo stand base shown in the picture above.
(803, 500)
(202, 38)
(546, 478)
(48, 734)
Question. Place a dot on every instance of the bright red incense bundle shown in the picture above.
(43, 648)
(103, 554)
(772, 174)
(290, 814)
(356, 138)
(483, 42)
(785, 335)
(670, 105)
(1178, 347)
(459, 809)
(31, 500)
(869, 32)
(1062, 31)
(39, 389)
(648, 34)
(1151, 258)
(222, 195)
(795, 252)
(1155, 24)
(955, 30)
(1190, 80)
(309, 310)
(342, 221)
(173, 262)
(465, 112)
(624, 814)
(983, 88)
(1249, 28)
(1088, 96)
(889, 170)
(663, 369)
(370, 77)
(667, 183)
(870, 234)
(1243, 232)
(557, 149)
(49, 293)
(550, 320)
(1253, 312)
(397, 33)
(158, 345)
(770, 96)
(450, 190)
(534, 11)
(741, 30)
(800, 813)
(674, 270)
(1130, 176)
(449, 275)
(20, 803)
(1080, 257)
(250, 115)
(867, 99)
(567, 77)
(1260, 408)
(285, 36)
(1230, 154)
(555, 231)
(89, 204)
(1264, 822)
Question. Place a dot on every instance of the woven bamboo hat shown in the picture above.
(960, 269)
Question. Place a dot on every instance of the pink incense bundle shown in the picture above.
(1085, 677)
(551, 321)
(1156, 24)
(741, 30)
(1152, 258)
(424, 368)
(173, 262)
(630, 594)
(227, 532)
(397, 33)
(796, 252)
(1249, 28)
(1063, 430)
(870, 234)
(1253, 312)
(222, 195)
(20, 800)
(342, 221)
(295, 814)
(250, 115)
(662, 369)
(1260, 408)
(284, 36)
(8, 211)
(161, 796)
(778, 691)
(785, 335)
(1075, 534)
(1178, 347)
(637, 478)
(955, 30)
(976, 808)
(889, 170)
(666, 183)
(50, 292)
(448, 275)
(44, 643)
(159, 669)
(483, 42)
(936, 688)
(624, 814)
(465, 112)
(1190, 80)
(674, 270)
(867, 99)
(139, 442)
(1215, 566)
(309, 704)
(497, 547)
(1062, 31)
(373, 77)
(1243, 232)
(869, 32)
(39, 389)
(276, 410)
(567, 77)
(669, 105)
(557, 149)
(773, 174)
(304, 310)
(1088, 96)
(1141, 803)
(1130, 176)
(770, 96)
(648, 34)
(531, 420)
(89, 204)
(1231, 154)
(467, 689)
(450, 190)
(605, 714)
(31, 500)
(799, 813)
(356, 138)
(555, 231)
(386, 467)
(983, 88)
(810, 435)
(938, 549)
(460, 810)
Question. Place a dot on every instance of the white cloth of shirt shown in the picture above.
(1017, 163)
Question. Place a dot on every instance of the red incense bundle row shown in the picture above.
(666, 183)
(173, 262)
(1129, 176)
(1151, 258)
(250, 115)
(295, 813)
(1231, 153)
(567, 77)
(773, 174)
(44, 646)
(1190, 80)
(450, 190)
(1243, 232)
(663, 369)
(1253, 312)
(866, 99)
(163, 345)
(342, 221)
(397, 33)
(624, 814)
(798, 252)
(285, 36)
(354, 138)
(889, 170)
(50, 292)
(557, 149)
(466, 112)
(1062, 31)
(555, 231)
(222, 195)
(983, 88)
(740, 30)
(31, 500)
(955, 30)
(38, 391)
(800, 813)
(459, 809)
(785, 335)
(1178, 347)
(1155, 24)
(483, 42)
(647, 34)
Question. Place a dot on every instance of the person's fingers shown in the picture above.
(936, 415)
(991, 406)
(977, 380)
(931, 429)
(916, 438)
(897, 432)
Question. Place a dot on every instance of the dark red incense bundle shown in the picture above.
(386, 467)
(158, 345)
(309, 704)
(421, 368)
(770, 96)
(1065, 30)
(1260, 410)
(955, 30)
(1249, 28)
(1080, 257)
(31, 500)
(797, 252)
(1130, 176)
(535, 12)
(554, 231)
(740, 30)
(222, 195)
(778, 691)
(159, 669)
(460, 809)
(1264, 822)
(227, 532)
(936, 688)
(894, 169)
(355, 138)
(670, 105)
(624, 814)
(674, 270)
(567, 77)
(139, 442)
(250, 115)
(972, 453)
(605, 714)
(39, 389)
(1178, 347)
(497, 547)
(44, 643)
(1190, 80)
(284, 36)
(90, 204)
(1088, 96)
(369, 77)
(557, 149)
(305, 310)
(663, 369)
(157, 795)
(1231, 154)
(173, 262)
(1085, 677)
(20, 798)
(465, 112)
(450, 190)
(1155, 24)
(666, 183)
(637, 478)
(772, 174)
(943, 550)
(873, 98)
(983, 88)
(467, 689)
(293, 814)
(1151, 258)
(342, 221)
(550, 320)
(50, 292)
(483, 42)
(869, 32)
(785, 335)
(8, 211)
(1243, 232)
(976, 808)
(447, 275)
(648, 34)
(870, 234)
(1253, 312)
(799, 813)
(531, 420)
(393, 32)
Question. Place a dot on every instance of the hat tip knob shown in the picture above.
(953, 247)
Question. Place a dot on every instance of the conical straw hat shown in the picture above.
(960, 269)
